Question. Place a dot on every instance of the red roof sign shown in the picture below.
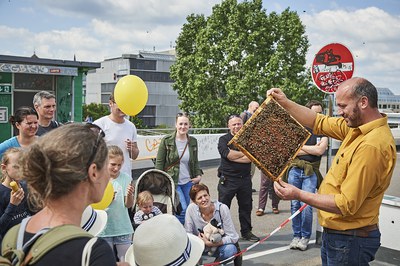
(332, 65)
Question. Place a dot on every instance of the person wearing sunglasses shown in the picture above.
(121, 132)
(178, 156)
(66, 170)
(25, 123)
(234, 174)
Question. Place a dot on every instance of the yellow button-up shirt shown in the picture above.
(360, 172)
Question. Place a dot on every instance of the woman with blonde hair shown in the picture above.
(13, 203)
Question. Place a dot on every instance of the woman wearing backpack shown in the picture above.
(66, 170)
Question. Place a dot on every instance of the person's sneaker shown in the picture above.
(294, 243)
(250, 237)
(260, 212)
(303, 243)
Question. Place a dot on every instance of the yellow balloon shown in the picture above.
(131, 94)
(107, 198)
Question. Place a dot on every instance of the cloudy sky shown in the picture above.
(95, 30)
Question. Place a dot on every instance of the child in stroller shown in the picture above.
(162, 188)
(147, 210)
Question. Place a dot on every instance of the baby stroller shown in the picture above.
(162, 187)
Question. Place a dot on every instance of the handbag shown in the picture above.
(179, 159)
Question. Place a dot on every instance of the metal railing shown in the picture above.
(163, 131)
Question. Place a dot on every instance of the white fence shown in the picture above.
(148, 147)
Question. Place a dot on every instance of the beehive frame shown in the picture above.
(271, 138)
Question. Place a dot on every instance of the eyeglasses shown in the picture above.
(100, 134)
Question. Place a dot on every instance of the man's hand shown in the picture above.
(278, 95)
(132, 149)
(286, 191)
(196, 179)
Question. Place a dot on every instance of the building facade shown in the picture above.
(154, 69)
(22, 77)
(388, 101)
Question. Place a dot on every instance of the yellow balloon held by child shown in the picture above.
(106, 200)
(131, 94)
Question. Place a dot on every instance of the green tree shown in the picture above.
(234, 56)
(305, 92)
(94, 110)
(137, 121)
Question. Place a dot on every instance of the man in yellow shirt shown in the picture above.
(351, 193)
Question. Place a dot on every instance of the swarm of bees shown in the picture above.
(271, 138)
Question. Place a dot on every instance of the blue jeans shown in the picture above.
(349, 250)
(225, 251)
(184, 198)
(302, 223)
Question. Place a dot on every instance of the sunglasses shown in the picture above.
(182, 114)
(233, 116)
(100, 134)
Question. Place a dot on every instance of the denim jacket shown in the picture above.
(168, 154)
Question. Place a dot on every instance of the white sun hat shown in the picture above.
(162, 240)
(93, 220)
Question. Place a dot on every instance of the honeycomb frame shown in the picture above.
(271, 138)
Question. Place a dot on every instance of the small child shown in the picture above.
(146, 208)
(13, 204)
(118, 230)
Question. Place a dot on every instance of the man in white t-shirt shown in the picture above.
(121, 132)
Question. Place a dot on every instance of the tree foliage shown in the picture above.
(94, 110)
(234, 56)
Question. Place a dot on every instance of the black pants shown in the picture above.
(242, 189)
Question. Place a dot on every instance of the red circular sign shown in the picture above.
(332, 65)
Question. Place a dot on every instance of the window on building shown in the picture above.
(34, 82)
(148, 115)
(106, 90)
(143, 64)
(152, 76)
(148, 110)
(149, 121)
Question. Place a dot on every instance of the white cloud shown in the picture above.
(371, 34)
(95, 30)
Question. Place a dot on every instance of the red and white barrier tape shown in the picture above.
(261, 240)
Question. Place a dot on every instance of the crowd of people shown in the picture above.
(51, 173)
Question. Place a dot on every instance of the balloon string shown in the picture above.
(260, 241)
